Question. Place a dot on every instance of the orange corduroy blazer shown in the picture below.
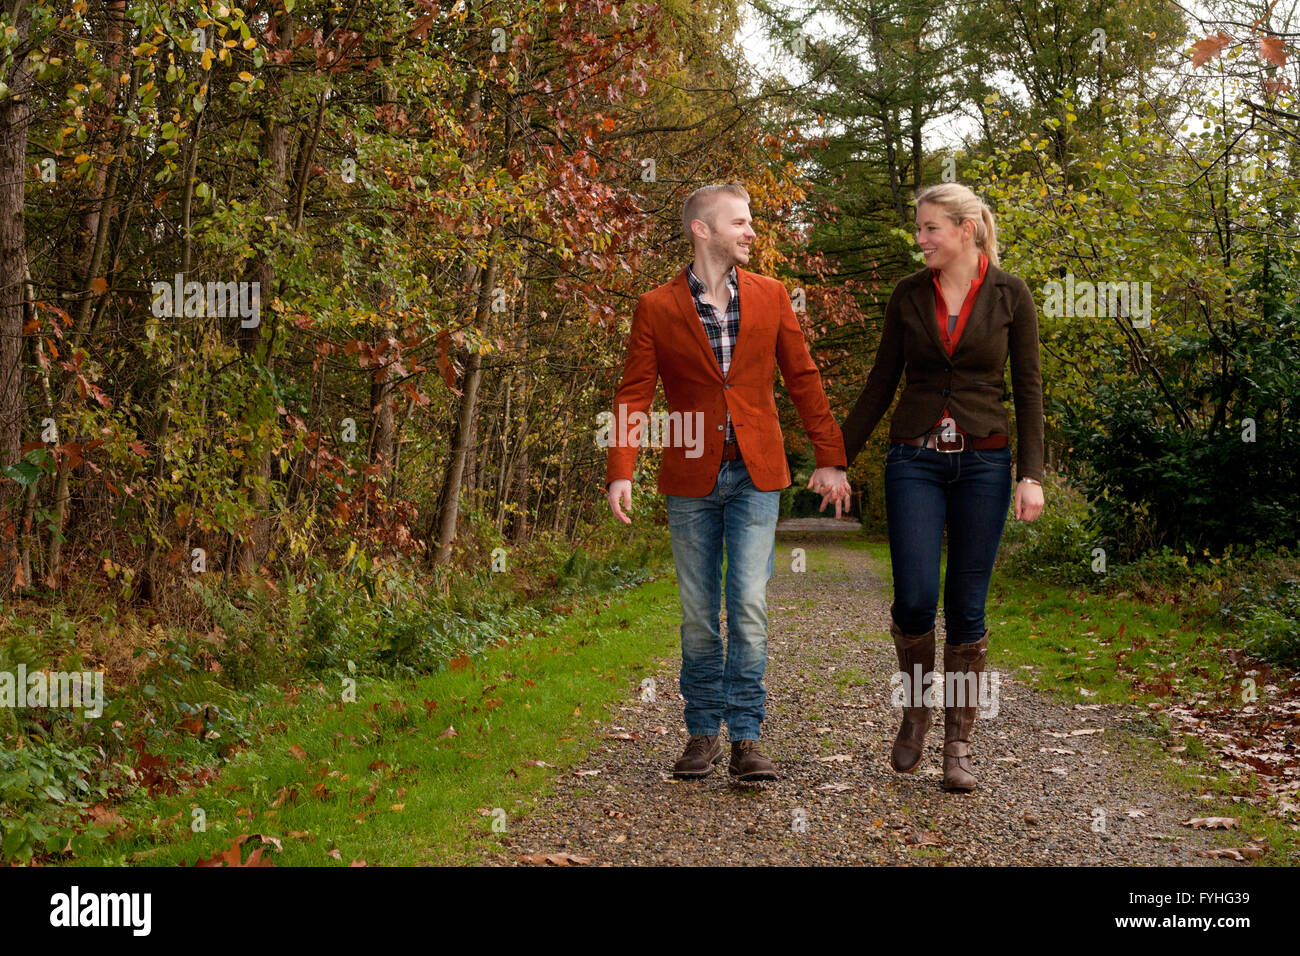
(668, 342)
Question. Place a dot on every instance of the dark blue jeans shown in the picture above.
(967, 492)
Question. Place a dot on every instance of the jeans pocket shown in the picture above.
(994, 456)
(901, 452)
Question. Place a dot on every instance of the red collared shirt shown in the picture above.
(941, 310)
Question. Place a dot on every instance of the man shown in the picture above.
(712, 335)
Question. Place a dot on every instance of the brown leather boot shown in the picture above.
(960, 660)
(748, 762)
(698, 758)
(912, 650)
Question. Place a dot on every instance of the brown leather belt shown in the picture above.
(731, 451)
(962, 441)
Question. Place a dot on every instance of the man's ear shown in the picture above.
(699, 229)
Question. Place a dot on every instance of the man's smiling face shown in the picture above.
(730, 230)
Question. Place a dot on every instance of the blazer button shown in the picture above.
(726, 386)
(947, 392)
(719, 428)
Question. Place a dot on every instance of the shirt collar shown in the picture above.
(697, 284)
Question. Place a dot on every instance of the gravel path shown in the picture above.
(1047, 795)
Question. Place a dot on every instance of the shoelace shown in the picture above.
(698, 745)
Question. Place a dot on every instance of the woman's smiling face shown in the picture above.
(940, 239)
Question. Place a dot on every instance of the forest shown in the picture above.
(310, 310)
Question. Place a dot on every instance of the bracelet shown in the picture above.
(1033, 481)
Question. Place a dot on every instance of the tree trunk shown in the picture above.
(464, 425)
(14, 114)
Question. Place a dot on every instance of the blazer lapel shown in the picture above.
(747, 289)
(923, 299)
(926, 307)
(695, 328)
(985, 299)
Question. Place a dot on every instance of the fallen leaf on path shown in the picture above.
(835, 787)
(1057, 770)
(556, 859)
(922, 838)
(1240, 854)
(623, 736)
(1211, 823)
(835, 758)
(585, 773)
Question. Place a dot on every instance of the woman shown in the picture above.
(951, 327)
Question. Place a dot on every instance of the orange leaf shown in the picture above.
(1272, 51)
(1205, 50)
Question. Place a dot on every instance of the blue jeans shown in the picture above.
(739, 516)
(969, 492)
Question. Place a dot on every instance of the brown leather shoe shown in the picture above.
(698, 758)
(915, 652)
(960, 660)
(748, 762)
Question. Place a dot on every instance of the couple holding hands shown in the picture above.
(712, 336)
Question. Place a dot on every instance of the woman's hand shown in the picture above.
(1028, 500)
(833, 485)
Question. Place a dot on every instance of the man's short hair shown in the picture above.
(700, 204)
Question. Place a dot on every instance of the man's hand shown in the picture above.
(833, 485)
(619, 497)
(1028, 501)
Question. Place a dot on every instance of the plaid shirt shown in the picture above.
(721, 332)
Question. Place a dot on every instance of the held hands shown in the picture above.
(1028, 501)
(619, 497)
(833, 485)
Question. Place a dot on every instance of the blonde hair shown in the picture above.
(960, 204)
(699, 204)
